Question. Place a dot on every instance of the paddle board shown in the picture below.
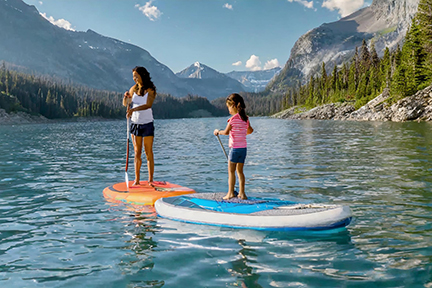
(254, 213)
(143, 194)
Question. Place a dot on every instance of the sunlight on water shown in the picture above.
(57, 230)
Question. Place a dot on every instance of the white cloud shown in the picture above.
(228, 6)
(254, 64)
(304, 3)
(150, 11)
(62, 23)
(40, 3)
(344, 7)
(238, 63)
(271, 64)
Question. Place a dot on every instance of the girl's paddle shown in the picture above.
(127, 156)
(226, 155)
(223, 149)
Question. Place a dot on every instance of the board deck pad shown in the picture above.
(143, 194)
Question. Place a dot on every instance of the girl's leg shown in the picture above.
(231, 180)
(138, 143)
(241, 177)
(148, 148)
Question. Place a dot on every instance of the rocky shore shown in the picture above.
(414, 108)
(20, 118)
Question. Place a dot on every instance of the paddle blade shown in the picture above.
(127, 180)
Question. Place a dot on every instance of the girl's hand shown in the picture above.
(216, 132)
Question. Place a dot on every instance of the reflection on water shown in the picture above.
(57, 230)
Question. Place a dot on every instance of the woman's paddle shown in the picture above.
(127, 156)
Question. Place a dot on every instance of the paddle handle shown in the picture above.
(223, 148)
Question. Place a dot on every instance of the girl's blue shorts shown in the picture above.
(237, 155)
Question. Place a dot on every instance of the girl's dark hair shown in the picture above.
(237, 101)
(145, 77)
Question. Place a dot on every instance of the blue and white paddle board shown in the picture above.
(254, 213)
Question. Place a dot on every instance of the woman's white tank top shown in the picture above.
(142, 116)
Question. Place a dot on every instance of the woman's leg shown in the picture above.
(241, 177)
(138, 143)
(148, 148)
(231, 180)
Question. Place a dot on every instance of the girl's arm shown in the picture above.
(223, 132)
(150, 98)
(249, 130)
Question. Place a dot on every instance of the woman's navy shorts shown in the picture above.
(237, 155)
(142, 130)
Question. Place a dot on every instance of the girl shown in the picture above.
(141, 96)
(238, 127)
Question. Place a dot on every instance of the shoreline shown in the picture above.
(412, 108)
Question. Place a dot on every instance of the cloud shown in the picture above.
(62, 23)
(40, 2)
(271, 64)
(305, 3)
(150, 11)
(344, 7)
(228, 6)
(238, 63)
(254, 64)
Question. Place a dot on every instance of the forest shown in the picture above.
(55, 99)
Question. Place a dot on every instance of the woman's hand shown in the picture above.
(216, 132)
(129, 113)
(127, 95)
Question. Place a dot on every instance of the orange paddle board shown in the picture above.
(143, 194)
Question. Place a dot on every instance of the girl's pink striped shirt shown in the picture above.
(238, 132)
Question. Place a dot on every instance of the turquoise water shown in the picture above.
(57, 230)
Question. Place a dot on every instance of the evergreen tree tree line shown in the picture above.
(55, 99)
(403, 71)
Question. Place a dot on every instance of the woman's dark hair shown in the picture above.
(237, 101)
(145, 77)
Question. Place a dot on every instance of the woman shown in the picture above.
(141, 96)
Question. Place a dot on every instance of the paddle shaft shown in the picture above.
(127, 147)
(223, 148)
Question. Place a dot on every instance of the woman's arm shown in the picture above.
(150, 98)
(223, 132)
(127, 97)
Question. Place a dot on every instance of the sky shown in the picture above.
(226, 35)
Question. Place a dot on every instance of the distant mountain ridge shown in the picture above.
(255, 81)
(384, 23)
(88, 58)
(216, 84)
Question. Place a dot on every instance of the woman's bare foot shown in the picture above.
(242, 196)
(136, 183)
(228, 196)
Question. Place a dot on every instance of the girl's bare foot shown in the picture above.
(228, 196)
(136, 183)
(242, 196)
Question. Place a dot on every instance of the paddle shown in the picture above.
(223, 149)
(226, 155)
(127, 156)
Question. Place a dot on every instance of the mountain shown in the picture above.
(254, 81)
(384, 23)
(216, 84)
(31, 44)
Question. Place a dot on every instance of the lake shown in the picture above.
(57, 230)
